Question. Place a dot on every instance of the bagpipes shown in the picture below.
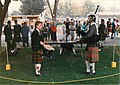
(96, 9)
(94, 14)
(87, 23)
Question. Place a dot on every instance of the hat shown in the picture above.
(114, 18)
(9, 22)
(109, 18)
(15, 20)
(102, 20)
(92, 16)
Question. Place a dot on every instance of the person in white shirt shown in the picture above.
(31, 29)
(64, 28)
(72, 29)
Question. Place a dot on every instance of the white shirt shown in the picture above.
(64, 28)
(72, 29)
(31, 31)
(64, 37)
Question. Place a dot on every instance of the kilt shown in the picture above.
(92, 54)
(37, 57)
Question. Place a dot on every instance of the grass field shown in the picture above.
(65, 69)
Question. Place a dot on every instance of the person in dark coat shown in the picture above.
(45, 31)
(92, 49)
(78, 28)
(102, 30)
(67, 24)
(17, 36)
(109, 28)
(8, 36)
(113, 29)
(37, 42)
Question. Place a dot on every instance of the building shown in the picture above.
(107, 15)
(30, 19)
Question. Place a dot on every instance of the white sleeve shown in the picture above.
(69, 38)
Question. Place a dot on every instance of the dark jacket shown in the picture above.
(91, 37)
(113, 27)
(17, 31)
(35, 40)
(8, 33)
(102, 30)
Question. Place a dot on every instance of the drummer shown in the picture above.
(37, 42)
(36, 38)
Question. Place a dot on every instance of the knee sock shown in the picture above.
(61, 49)
(37, 68)
(93, 67)
(73, 50)
(87, 66)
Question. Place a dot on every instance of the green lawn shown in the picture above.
(65, 69)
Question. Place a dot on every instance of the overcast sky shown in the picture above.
(107, 4)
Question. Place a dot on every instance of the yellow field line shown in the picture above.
(63, 82)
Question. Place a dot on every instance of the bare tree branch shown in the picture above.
(1, 5)
(5, 9)
(55, 9)
(49, 7)
(58, 1)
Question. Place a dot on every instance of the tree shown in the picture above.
(69, 8)
(3, 11)
(75, 9)
(88, 7)
(32, 7)
(64, 8)
(54, 11)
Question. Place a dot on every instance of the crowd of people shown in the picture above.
(86, 32)
(20, 33)
(13, 37)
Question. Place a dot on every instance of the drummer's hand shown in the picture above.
(41, 43)
(45, 42)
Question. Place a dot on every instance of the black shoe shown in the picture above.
(74, 54)
(91, 73)
(37, 75)
(60, 54)
(87, 72)
(50, 57)
(112, 37)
